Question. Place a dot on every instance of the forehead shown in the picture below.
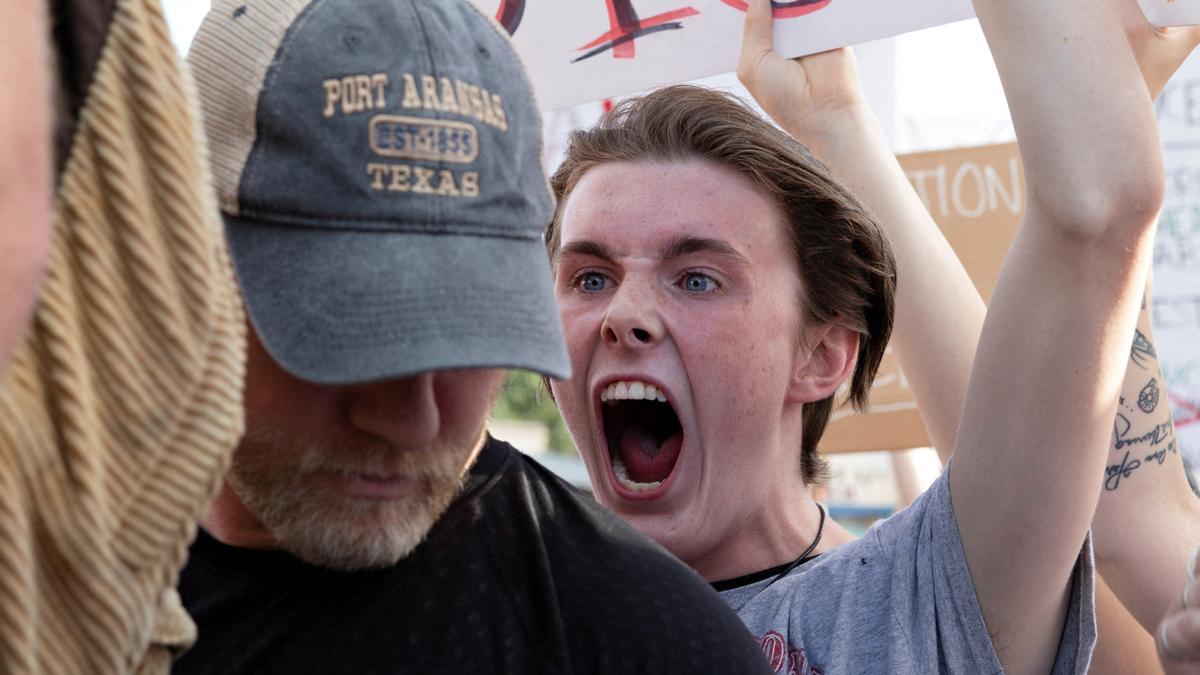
(629, 206)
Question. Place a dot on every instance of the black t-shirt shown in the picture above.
(522, 574)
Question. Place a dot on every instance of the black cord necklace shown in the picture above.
(803, 556)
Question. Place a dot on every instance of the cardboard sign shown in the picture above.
(578, 51)
(976, 195)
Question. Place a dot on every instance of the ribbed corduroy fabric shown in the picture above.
(120, 410)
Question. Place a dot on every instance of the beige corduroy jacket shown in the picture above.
(119, 411)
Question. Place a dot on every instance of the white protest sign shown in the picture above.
(1171, 12)
(578, 51)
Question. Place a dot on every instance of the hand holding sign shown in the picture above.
(801, 95)
(1159, 51)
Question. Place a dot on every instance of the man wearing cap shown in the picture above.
(378, 166)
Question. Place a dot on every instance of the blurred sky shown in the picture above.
(183, 18)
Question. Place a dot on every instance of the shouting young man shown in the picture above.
(718, 288)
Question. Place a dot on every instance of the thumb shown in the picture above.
(758, 29)
(1178, 639)
(1178, 636)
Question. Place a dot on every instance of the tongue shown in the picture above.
(646, 460)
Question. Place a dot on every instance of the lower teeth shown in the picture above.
(622, 473)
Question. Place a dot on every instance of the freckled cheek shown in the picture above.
(567, 393)
(573, 402)
(718, 364)
(746, 391)
(581, 329)
(747, 381)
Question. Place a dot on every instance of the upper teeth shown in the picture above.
(632, 390)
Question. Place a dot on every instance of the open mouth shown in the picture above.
(643, 434)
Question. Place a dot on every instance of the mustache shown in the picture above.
(369, 456)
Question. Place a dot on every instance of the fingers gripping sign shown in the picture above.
(783, 10)
(802, 95)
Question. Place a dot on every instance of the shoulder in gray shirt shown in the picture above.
(899, 600)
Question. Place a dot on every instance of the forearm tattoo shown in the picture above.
(1143, 431)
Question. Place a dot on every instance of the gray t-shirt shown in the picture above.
(898, 600)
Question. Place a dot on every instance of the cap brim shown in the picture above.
(344, 307)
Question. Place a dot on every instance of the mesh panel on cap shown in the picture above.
(230, 56)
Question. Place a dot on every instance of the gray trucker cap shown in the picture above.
(378, 164)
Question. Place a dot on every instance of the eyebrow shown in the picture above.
(677, 247)
(682, 245)
(589, 248)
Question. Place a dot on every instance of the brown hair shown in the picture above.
(845, 263)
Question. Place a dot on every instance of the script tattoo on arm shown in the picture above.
(1146, 449)
(1137, 444)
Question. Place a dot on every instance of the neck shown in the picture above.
(230, 522)
(780, 519)
(776, 534)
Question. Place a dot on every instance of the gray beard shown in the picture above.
(324, 528)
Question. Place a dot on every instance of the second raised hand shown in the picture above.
(799, 94)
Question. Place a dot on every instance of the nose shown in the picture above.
(403, 411)
(632, 320)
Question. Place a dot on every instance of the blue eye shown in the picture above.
(695, 282)
(591, 282)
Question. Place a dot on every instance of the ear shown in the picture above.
(825, 358)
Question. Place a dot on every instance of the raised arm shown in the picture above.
(939, 314)
(1148, 519)
(25, 178)
(1051, 359)
(817, 99)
